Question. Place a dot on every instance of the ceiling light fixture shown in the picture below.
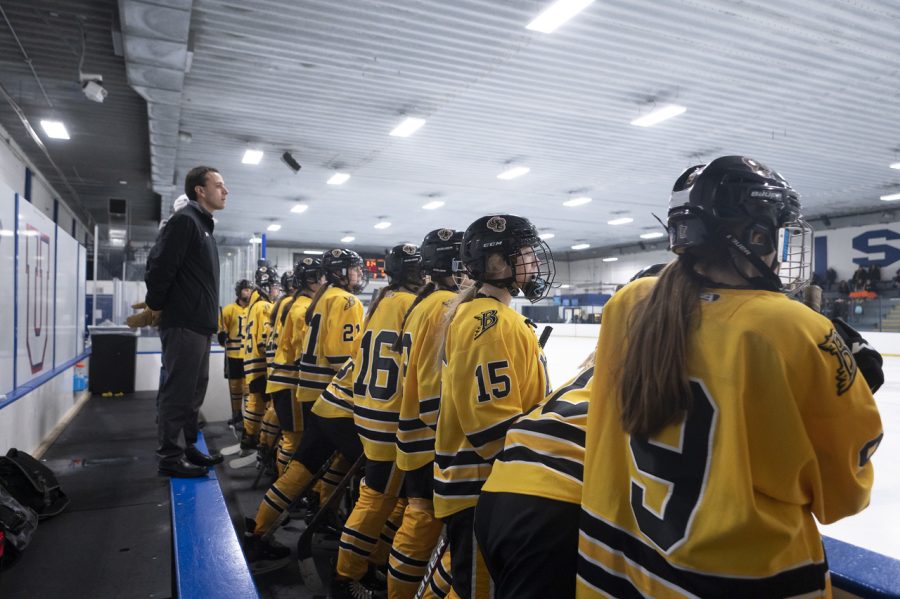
(577, 202)
(556, 14)
(348, 239)
(409, 126)
(338, 179)
(620, 221)
(546, 236)
(313, 252)
(252, 157)
(891, 197)
(564, 286)
(255, 239)
(581, 246)
(512, 173)
(382, 224)
(659, 115)
(610, 259)
(895, 165)
(273, 227)
(299, 208)
(55, 129)
(433, 205)
(653, 235)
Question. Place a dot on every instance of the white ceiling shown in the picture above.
(807, 86)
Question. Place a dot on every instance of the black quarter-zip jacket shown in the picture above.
(183, 272)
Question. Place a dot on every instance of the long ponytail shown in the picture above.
(441, 334)
(427, 290)
(654, 389)
(315, 300)
(377, 300)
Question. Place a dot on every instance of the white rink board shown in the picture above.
(877, 528)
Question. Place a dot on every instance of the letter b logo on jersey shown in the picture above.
(846, 365)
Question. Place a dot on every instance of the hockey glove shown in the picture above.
(222, 337)
(868, 360)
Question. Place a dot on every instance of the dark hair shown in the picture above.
(196, 176)
(274, 314)
(377, 300)
(427, 290)
(654, 389)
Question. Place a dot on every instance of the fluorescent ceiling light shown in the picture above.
(659, 115)
(299, 208)
(546, 236)
(382, 224)
(564, 286)
(653, 235)
(117, 242)
(433, 205)
(338, 179)
(273, 227)
(892, 197)
(512, 173)
(896, 165)
(348, 239)
(409, 126)
(6, 233)
(581, 246)
(117, 233)
(577, 202)
(610, 259)
(252, 157)
(620, 221)
(313, 252)
(55, 129)
(556, 14)
(255, 239)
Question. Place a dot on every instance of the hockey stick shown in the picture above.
(545, 335)
(336, 495)
(433, 562)
(309, 485)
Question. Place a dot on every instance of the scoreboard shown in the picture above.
(375, 266)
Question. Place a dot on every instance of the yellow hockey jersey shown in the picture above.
(543, 454)
(377, 383)
(367, 387)
(780, 434)
(421, 394)
(255, 336)
(280, 308)
(232, 320)
(494, 372)
(331, 337)
(285, 373)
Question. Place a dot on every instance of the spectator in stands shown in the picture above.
(183, 285)
(897, 279)
(830, 277)
(844, 288)
(874, 277)
(860, 278)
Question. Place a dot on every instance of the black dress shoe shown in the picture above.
(195, 456)
(181, 468)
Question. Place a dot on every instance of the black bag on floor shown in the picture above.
(18, 524)
(32, 484)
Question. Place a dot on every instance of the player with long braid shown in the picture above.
(284, 376)
(493, 372)
(255, 336)
(333, 321)
(421, 391)
(231, 337)
(374, 404)
(724, 419)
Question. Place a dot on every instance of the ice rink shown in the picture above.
(877, 528)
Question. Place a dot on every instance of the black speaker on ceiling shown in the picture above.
(117, 207)
(291, 162)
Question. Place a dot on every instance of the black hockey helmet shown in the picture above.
(287, 281)
(738, 203)
(307, 271)
(403, 264)
(507, 235)
(266, 276)
(241, 285)
(440, 253)
(338, 263)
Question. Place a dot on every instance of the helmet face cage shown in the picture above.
(536, 268)
(795, 255)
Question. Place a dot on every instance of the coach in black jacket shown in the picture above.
(183, 283)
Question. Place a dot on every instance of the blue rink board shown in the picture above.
(209, 561)
(862, 572)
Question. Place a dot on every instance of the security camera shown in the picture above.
(92, 86)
